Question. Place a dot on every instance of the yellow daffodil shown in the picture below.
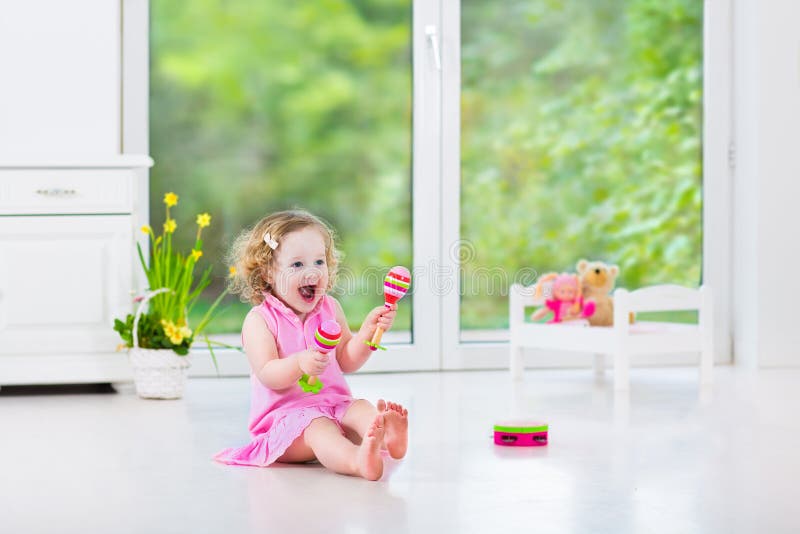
(173, 268)
(184, 331)
(231, 271)
(171, 331)
(176, 338)
(175, 333)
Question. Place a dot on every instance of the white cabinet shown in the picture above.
(65, 191)
(62, 282)
(73, 111)
(61, 88)
(67, 258)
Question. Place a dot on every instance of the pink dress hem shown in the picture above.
(277, 419)
(259, 453)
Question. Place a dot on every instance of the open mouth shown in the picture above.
(307, 293)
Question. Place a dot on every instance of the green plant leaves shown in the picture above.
(150, 334)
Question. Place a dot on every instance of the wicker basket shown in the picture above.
(157, 373)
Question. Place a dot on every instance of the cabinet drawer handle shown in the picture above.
(55, 192)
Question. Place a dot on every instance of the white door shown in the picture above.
(62, 282)
(464, 225)
(569, 132)
(327, 122)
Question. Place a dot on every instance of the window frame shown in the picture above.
(717, 98)
(425, 183)
(436, 185)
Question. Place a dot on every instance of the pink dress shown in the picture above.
(277, 418)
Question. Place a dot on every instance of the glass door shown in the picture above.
(478, 143)
(574, 130)
(259, 106)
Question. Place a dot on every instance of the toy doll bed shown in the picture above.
(622, 340)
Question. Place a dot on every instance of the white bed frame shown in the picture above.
(623, 339)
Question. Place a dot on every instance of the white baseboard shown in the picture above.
(64, 369)
(115, 368)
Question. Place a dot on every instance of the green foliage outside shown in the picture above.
(581, 138)
(229, 316)
(258, 106)
(581, 128)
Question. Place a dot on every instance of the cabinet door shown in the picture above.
(62, 282)
(61, 83)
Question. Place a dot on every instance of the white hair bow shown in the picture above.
(271, 243)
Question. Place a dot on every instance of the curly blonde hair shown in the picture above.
(254, 259)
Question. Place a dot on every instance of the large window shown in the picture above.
(580, 138)
(258, 106)
(478, 142)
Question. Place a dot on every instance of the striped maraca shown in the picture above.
(395, 286)
(325, 340)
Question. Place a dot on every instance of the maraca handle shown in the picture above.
(376, 338)
(313, 379)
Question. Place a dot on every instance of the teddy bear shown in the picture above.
(597, 283)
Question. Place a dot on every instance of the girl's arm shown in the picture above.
(352, 352)
(262, 353)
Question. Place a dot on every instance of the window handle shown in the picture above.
(56, 192)
(433, 37)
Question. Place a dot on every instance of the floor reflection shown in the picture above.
(309, 498)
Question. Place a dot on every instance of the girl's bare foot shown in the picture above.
(368, 459)
(396, 419)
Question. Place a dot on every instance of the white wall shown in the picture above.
(766, 327)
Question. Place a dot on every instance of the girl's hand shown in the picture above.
(380, 316)
(312, 362)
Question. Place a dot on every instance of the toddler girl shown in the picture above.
(284, 266)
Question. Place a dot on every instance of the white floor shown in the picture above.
(665, 459)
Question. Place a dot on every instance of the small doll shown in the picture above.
(566, 301)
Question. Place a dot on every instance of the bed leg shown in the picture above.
(599, 366)
(621, 371)
(515, 362)
(706, 368)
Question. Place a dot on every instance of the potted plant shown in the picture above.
(158, 336)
